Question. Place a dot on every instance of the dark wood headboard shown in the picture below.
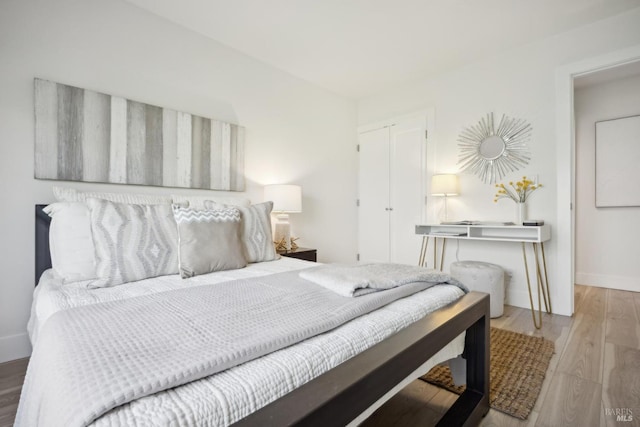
(43, 255)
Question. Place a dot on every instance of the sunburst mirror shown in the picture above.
(491, 153)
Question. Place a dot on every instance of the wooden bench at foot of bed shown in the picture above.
(338, 396)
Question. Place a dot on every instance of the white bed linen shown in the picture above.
(51, 295)
(229, 396)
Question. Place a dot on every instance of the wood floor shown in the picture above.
(594, 371)
(11, 379)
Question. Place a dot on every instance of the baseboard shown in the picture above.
(519, 299)
(14, 347)
(623, 283)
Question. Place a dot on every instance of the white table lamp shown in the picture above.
(445, 185)
(286, 199)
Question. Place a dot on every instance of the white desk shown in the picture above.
(536, 235)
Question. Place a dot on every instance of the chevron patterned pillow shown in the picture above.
(133, 242)
(256, 230)
(209, 240)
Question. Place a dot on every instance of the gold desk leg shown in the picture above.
(538, 324)
(435, 252)
(444, 243)
(423, 250)
(546, 277)
(539, 282)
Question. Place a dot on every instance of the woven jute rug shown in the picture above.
(517, 369)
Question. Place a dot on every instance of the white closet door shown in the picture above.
(373, 189)
(407, 188)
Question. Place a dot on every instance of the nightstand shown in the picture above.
(301, 253)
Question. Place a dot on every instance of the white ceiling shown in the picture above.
(359, 47)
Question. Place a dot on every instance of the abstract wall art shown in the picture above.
(617, 160)
(82, 135)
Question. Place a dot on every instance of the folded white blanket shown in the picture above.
(354, 280)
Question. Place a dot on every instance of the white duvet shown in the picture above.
(230, 395)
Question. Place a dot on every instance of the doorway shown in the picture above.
(605, 242)
(565, 155)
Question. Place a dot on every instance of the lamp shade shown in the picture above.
(444, 185)
(285, 198)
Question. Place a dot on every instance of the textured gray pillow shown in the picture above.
(256, 231)
(209, 240)
(133, 242)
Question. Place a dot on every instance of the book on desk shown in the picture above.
(528, 222)
(448, 233)
(469, 222)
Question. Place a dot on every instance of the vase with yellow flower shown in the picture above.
(519, 192)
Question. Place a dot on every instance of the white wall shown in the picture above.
(519, 83)
(606, 238)
(296, 132)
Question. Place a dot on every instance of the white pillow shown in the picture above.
(70, 241)
(73, 254)
(197, 202)
(64, 194)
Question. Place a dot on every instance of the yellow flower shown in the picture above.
(518, 191)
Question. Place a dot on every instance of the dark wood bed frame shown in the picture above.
(338, 396)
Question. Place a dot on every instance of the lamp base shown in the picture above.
(282, 231)
(444, 214)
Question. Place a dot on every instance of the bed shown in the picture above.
(342, 394)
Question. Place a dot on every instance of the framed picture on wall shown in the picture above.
(618, 162)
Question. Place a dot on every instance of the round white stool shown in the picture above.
(482, 277)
